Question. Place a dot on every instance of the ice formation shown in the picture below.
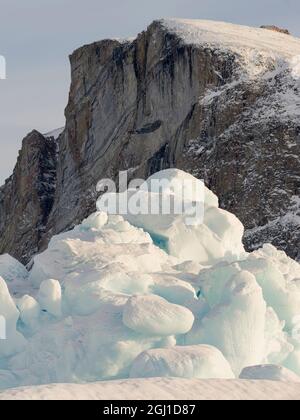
(14, 274)
(142, 295)
(154, 316)
(49, 297)
(12, 341)
(237, 324)
(202, 232)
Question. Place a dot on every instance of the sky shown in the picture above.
(37, 36)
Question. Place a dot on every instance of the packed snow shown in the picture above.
(162, 389)
(135, 296)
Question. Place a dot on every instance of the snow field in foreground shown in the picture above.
(160, 389)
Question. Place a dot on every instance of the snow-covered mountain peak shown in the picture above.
(233, 37)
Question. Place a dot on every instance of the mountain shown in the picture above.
(219, 101)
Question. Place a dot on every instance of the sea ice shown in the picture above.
(11, 341)
(236, 325)
(29, 310)
(14, 273)
(154, 316)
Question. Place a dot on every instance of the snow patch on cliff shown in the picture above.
(260, 57)
(231, 37)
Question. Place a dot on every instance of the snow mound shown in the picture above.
(269, 373)
(202, 362)
(119, 296)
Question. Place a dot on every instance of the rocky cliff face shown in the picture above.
(217, 100)
(27, 197)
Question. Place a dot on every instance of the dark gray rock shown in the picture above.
(27, 197)
(276, 29)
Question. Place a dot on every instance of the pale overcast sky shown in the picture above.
(36, 37)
